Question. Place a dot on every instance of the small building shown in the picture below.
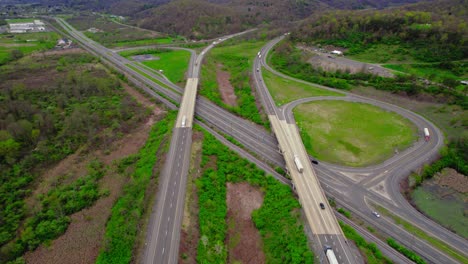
(464, 82)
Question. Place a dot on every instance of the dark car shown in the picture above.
(322, 206)
(314, 162)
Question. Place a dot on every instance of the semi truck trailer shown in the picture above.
(427, 136)
(298, 163)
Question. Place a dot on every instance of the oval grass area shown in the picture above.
(352, 134)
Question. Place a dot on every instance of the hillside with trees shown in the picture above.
(431, 36)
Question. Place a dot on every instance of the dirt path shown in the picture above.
(225, 87)
(243, 239)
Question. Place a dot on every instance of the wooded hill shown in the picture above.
(436, 31)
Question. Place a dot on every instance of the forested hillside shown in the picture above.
(438, 34)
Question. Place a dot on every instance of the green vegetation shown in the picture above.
(455, 157)
(423, 235)
(448, 212)
(15, 46)
(439, 72)
(278, 220)
(174, 63)
(142, 42)
(370, 250)
(45, 120)
(408, 253)
(353, 134)
(284, 90)
(111, 34)
(236, 59)
(20, 20)
(293, 61)
(123, 225)
(426, 36)
(53, 219)
(342, 211)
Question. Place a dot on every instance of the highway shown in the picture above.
(334, 179)
(322, 221)
(163, 235)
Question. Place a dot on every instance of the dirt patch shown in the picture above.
(190, 233)
(225, 87)
(243, 239)
(451, 178)
(329, 62)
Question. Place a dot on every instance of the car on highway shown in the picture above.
(322, 206)
(376, 214)
(314, 162)
(258, 69)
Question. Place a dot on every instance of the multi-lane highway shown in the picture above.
(319, 214)
(163, 236)
(335, 180)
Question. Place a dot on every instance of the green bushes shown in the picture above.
(236, 59)
(455, 157)
(291, 61)
(373, 254)
(122, 227)
(277, 219)
(408, 253)
(342, 211)
(46, 120)
(52, 219)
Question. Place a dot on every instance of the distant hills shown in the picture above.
(208, 18)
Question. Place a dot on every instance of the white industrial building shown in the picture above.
(24, 27)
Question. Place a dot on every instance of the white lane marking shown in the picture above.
(169, 219)
(326, 240)
(175, 183)
(163, 251)
(166, 232)
(170, 206)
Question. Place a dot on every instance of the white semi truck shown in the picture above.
(184, 118)
(330, 255)
(298, 163)
(427, 136)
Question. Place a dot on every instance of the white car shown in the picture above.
(376, 214)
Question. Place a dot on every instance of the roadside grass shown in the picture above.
(237, 59)
(173, 63)
(447, 212)
(431, 71)
(285, 91)
(352, 134)
(370, 250)
(26, 43)
(423, 235)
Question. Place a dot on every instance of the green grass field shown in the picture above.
(285, 91)
(174, 64)
(382, 53)
(20, 20)
(448, 212)
(26, 43)
(428, 71)
(352, 134)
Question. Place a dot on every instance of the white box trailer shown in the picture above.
(299, 166)
(331, 255)
(427, 136)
